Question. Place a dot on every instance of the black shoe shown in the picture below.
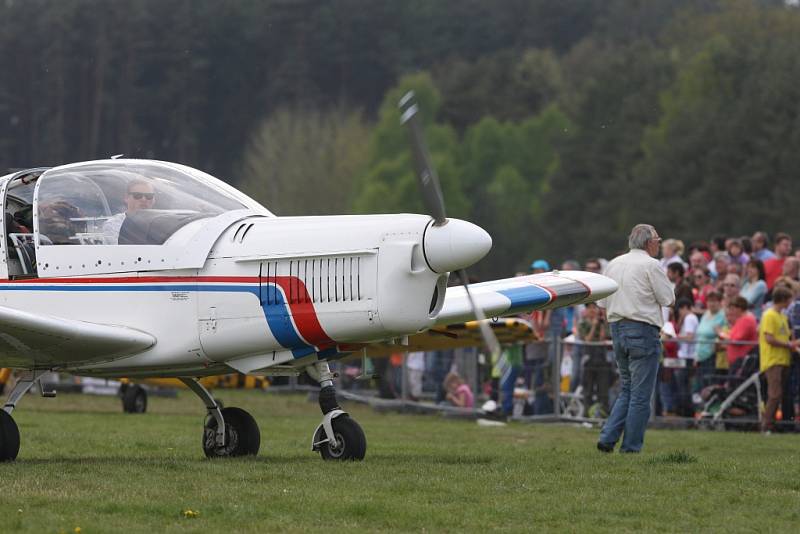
(604, 447)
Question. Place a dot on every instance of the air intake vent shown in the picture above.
(241, 232)
(318, 280)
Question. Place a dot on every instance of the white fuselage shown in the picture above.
(272, 291)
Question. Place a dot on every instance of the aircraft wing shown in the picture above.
(459, 335)
(32, 340)
(511, 296)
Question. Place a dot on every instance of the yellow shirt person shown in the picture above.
(775, 348)
(775, 323)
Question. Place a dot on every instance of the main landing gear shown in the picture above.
(9, 432)
(134, 398)
(227, 431)
(338, 437)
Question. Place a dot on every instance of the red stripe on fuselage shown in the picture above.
(302, 311)
(553, 294)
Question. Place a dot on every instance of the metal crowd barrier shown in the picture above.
(722, 398)
(550, 390)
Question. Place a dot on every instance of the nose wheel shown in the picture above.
(350, 441)
(338, 437)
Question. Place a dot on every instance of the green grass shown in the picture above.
(85, 464)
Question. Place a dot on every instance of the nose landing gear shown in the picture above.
(338, 437)
(350, 442)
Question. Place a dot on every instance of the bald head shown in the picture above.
(791, 267)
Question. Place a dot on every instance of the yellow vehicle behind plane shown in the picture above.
(5, 374)
(134, 394)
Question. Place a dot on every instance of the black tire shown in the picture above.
(352, 443)
(134, 399)
(242, 436)
(9, 438)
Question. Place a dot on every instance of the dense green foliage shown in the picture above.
(555, 125)
(85, 464)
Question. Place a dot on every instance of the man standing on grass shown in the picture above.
(775, 352)
(635, 317)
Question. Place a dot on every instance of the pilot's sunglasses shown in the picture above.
(140, 196)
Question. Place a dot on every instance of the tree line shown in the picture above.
(555, 125)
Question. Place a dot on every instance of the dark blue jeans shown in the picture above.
(666, 391)
(706, 370)
(507, 389)
(637, 348)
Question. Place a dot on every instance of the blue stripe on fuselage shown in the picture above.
(280, 322)
(276, 312)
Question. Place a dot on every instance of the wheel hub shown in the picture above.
(231, 440)
(337, 451)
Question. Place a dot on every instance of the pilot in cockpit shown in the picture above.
(140, 196)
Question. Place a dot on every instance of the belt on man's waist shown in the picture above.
(640, 322)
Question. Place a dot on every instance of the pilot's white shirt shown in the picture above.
(111, 229)
(643, 289)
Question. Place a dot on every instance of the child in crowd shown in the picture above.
(458, 393)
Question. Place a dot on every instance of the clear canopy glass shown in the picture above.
(124, 202)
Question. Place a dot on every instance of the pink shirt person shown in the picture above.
(458, 393)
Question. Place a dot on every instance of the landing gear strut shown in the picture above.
(9, 432)
(338, 437)
(227, 432)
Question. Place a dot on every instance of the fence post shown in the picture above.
(556, 374)
(404, 378)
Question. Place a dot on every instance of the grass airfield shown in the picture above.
(84, 464)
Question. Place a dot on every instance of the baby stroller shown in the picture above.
(734, 403)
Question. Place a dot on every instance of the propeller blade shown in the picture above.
(426, 175)
(486, 332)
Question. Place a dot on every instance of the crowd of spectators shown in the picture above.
(723, 289)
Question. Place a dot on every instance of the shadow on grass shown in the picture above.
(305, 458)
(153, 461)
(439, 459)
(674, 457)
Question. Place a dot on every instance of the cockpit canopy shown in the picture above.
(151, 208)
(79, 204)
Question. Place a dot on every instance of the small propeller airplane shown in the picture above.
(144, 269)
